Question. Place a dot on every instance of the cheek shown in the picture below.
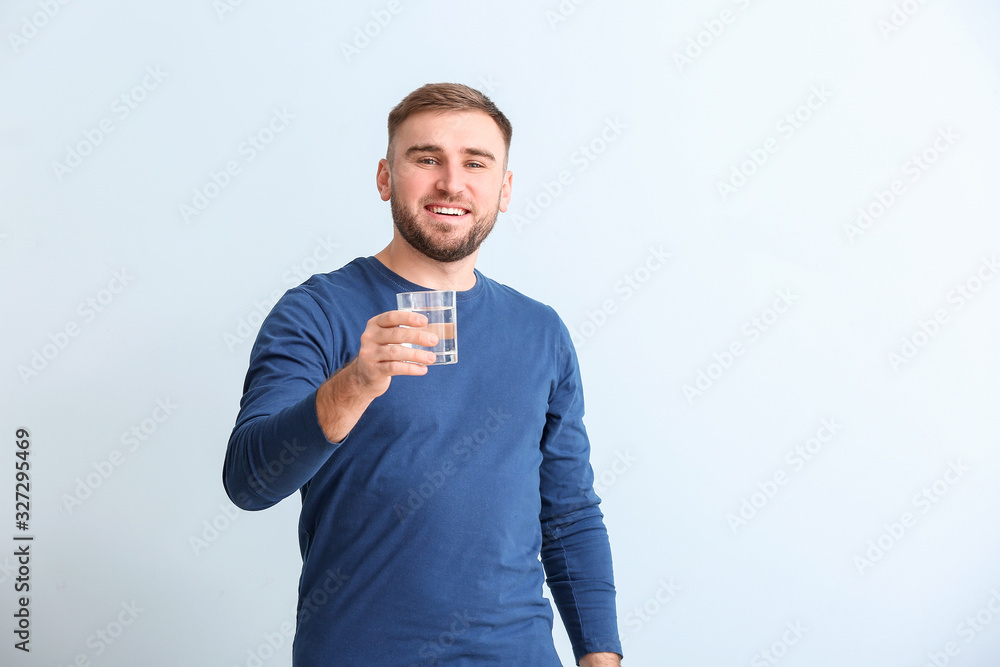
(410, 188)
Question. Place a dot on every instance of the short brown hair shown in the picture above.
(446, 97)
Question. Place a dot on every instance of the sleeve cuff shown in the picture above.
(309, 421)
(597, 646)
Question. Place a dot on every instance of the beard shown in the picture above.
(423, 238)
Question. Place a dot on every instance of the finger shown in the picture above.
(403, 368)
(384, 353)
(398, 335)
(395, 318)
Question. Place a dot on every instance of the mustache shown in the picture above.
(451, 201)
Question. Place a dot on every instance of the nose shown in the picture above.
(450, 180)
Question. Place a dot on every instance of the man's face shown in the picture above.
(447, 182)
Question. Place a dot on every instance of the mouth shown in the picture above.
(446, 211)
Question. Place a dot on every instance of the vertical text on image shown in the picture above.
(22, 542)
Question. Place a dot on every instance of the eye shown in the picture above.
(478, 165)
(427, 160)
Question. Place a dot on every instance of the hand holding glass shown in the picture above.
(438, 306)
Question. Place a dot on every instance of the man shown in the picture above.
(428, 493)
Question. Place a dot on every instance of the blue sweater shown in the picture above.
(421, 531)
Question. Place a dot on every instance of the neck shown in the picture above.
(401, 258)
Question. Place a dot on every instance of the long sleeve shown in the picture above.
(439, 502)
(277, 444)
(575, 551)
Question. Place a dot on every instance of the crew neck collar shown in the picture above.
(405, 285)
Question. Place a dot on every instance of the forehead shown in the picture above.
(455, 130)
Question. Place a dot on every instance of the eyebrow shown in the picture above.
(434, 148)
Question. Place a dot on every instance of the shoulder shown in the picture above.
(326, 289)
(325, 299)
(352, 276)
(524, 304)
(540, 318)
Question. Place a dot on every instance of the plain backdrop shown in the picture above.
(771, 226)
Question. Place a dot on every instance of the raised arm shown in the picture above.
(295, 410)
(342, 399)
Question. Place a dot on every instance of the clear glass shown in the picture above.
(439, 308)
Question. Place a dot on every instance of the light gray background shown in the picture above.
(208, 585)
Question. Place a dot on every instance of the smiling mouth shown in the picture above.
(447, 210)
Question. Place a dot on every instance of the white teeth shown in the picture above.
(448, 211)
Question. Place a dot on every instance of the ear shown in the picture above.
(383, 180)
(508, 180)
